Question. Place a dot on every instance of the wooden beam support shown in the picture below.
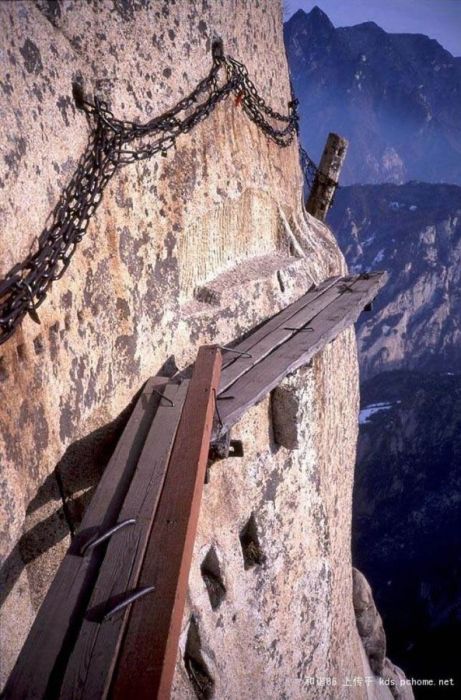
(148, 653)
(90, 666)
(327, 177)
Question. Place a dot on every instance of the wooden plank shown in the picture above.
(91, 663)
(264, 343)
(38, 670)
(149, 649)
(298, 350)
(231, 362)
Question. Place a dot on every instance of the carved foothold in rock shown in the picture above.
(285, 409)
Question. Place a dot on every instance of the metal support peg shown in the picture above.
(130, 598)
(89, 546)
(236, 448)
(307, 328)
(159, 393)
(223, 448)
(218, 415)
(217, 48)
(236, 352)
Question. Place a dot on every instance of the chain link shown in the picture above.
(115, 143)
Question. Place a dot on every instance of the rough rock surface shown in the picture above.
(196, 247)
(371, 631)
(369, 623)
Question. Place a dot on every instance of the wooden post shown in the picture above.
(327, 177)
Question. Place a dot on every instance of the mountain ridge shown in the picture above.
(393, 96)
(414, 232)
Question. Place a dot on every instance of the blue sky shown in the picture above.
(439, 19)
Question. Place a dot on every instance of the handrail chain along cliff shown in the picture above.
(114, 143)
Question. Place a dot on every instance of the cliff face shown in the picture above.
(394, 96)
(414, 232)
(192, 248)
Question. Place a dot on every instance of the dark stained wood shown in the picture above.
(90, 666)
(38, 670)
(277, 330)
(250, 388)
(149, 649)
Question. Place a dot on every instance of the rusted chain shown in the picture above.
(114, 143)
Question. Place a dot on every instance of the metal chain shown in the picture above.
(308, 168)
(113, 144)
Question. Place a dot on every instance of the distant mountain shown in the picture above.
(407, 516)
(396, 97)
(414, 232)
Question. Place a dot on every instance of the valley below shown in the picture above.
(406, 515)
(407, 503)
(395, 98)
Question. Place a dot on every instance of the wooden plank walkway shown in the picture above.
(289, 340)
(276, 331)
(90, 665)
(95, 615)
(40, 665)
(110, 624)
(149, 651)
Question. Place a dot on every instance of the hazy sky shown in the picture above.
(439, 19)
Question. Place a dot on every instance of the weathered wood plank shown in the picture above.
(38, 670)
(327, 176)
(91, 663)
(148, 653)
(298, 350)
(231, 362)
(277, 331)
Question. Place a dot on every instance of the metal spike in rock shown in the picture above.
(34, 316)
